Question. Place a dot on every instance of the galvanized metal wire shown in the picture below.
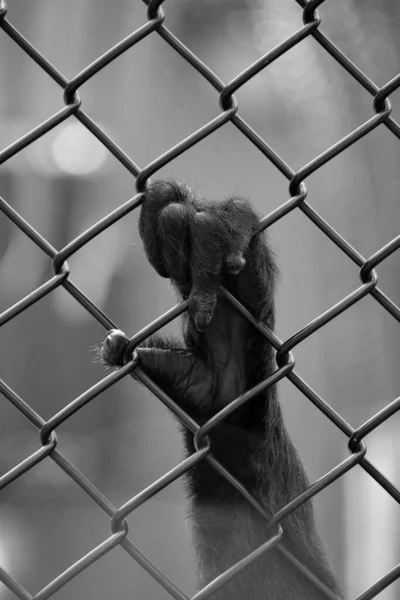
(72, 106)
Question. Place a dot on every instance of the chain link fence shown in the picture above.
(228, 113)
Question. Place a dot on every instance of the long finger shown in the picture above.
(157, 197)
(241, 221)
(206, 264)
(173, 229)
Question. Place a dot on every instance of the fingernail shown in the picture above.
(235, 263)
(113, 348)
(202, 320)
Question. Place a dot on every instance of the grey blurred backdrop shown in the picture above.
(148, 100)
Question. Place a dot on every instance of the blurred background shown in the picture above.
(148, 100)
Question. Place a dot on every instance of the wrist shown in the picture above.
(236, 449)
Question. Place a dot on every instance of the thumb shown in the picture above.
(166, 364)
(181, 375)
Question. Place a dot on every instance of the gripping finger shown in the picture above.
(206, 263)
(158, 197)
(173, 229)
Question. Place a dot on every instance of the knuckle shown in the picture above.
(174, 213)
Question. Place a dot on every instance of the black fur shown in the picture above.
(200, 245)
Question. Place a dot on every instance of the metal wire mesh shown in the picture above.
(380, 116)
